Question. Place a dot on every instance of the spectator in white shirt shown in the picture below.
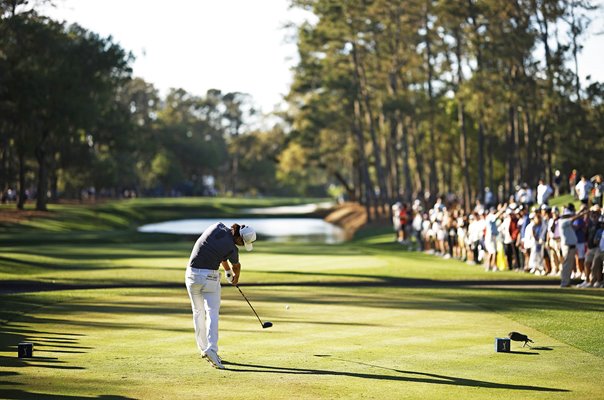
(582, 189)
(534, 239)
(544, 192)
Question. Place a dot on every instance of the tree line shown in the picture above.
(404, 98)
(74, 122)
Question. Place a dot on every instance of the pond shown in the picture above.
(313, 230)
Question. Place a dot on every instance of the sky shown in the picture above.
(231, 45)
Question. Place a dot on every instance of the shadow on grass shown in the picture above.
(36, 361)
(445, 295)
(400, 376)
(362, 280)
(14, 394)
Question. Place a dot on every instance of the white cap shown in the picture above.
(249, 236)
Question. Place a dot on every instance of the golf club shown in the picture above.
(264, 324)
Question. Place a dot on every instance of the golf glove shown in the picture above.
(229, 276)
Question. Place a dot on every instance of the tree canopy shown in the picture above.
(427, 97)
(390, 100)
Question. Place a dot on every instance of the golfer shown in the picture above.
(216, 246)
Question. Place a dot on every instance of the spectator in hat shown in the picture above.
(568, 244)
(598, 189)
(523, 221)
(593, 245)
(546, 215)
(553, 240)
(522, 195)
(505, 230)
(534, 239)
(396, 220)
(490, 237)
(417, 226)
(474, 236)
(580, 227)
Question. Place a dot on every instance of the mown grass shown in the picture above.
(365, 319)
(128, 214)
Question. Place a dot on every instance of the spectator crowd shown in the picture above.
(524, 234)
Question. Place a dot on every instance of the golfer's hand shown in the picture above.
(235, 280)
(230, 276)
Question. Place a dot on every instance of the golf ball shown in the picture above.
(287, 306)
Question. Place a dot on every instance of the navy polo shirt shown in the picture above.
(216, 244)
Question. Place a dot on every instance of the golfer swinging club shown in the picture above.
(216, 246)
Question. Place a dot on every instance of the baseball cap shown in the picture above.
(248, 234)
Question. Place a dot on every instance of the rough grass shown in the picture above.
(366, 319)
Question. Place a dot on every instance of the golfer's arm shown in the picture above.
(236, 268)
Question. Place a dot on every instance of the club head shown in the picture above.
(267, 325)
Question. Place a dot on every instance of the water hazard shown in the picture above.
(274, 229)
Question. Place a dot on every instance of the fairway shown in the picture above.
(301, 200)
(365, 320)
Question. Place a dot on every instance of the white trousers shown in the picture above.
(203, 286)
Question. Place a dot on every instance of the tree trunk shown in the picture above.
(22, 197)
(512, 150)
(481, 180)
(363, 165)
(461, 122)
(370, 122)
(234, 171)
(398, 152)
(433, 183)
(520, 169)
(491, 178)
(4, 167)
(474, 21)
(349, 189)
(41, 195)
(463, 147)
(392, 159)
(417, 139)
(530, 148)
(405, 160)
(575, 31)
